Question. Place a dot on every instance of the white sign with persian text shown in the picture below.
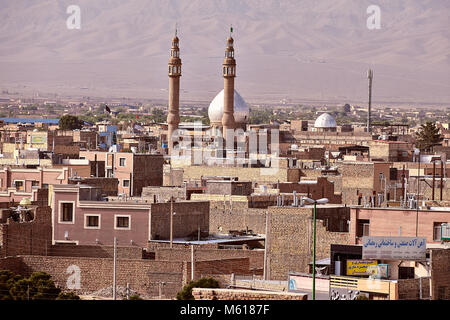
(411, 248)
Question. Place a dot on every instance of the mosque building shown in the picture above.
(227, 111)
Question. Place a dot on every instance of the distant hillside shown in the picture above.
(284, 49)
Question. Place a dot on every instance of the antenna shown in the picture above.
(370, 77)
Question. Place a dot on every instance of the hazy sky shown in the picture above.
(295, 49)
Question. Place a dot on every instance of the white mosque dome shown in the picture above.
(325, 120)
(241, 109)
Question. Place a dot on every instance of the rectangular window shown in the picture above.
(92, 221)
(362, 228)
(67, 212)
(122, 222)
(405, 273)
(437, 229)
(122, 162)
(19, 185)
(126, 183)
(35, 183)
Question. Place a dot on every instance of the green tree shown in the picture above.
(186, 293)
(428, 136)
(7, 281)
(39, 286)
(69, 122)
(114, 138)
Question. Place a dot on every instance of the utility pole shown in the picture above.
(417, 152)
(192, 262)
(370, 77)
(114, 268)
(171, 222)
(265, 247)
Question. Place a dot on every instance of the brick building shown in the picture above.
(390, 151)
(364, 179)
(17, 183)
(80, 217)
(289, 238)
(395, 222)
(133, 170)
(320, 188)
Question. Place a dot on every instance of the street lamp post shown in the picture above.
(417, 153)
(315, 202)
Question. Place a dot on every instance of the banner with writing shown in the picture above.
(361, 267)
(394, 248)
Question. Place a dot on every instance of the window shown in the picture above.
(437, 230)
(66, 214)
(126, 183)
(122, 162)
(362, 228)
(35, 183)
(122, 222)
(405, 273)
(92, 221)
(19, 185)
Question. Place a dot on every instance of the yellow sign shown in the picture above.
(38, 138)
(361, 267)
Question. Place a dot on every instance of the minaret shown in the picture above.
(229, 73)
(173, 117)
(369, 122)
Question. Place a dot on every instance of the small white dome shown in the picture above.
(325, 120)
(241, 109)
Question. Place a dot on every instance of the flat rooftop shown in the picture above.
(214, 239)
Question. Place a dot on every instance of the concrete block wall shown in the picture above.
(440, 273)
(239, 294)
(256, 257)
(190, 215)
(32, 237)
(290, 241)
(236, 216)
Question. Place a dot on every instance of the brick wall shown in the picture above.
(238, 294)
(32, 237)
(247, 174)
(321, 189)
(189, 217)
(256, 257)
(14, 264)
(290, 239)
(148, 171)
(409, 289)
(71, 250)
(108, 185)
(440, 273)
(163, 194)
(144, 276)
(236, 216)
